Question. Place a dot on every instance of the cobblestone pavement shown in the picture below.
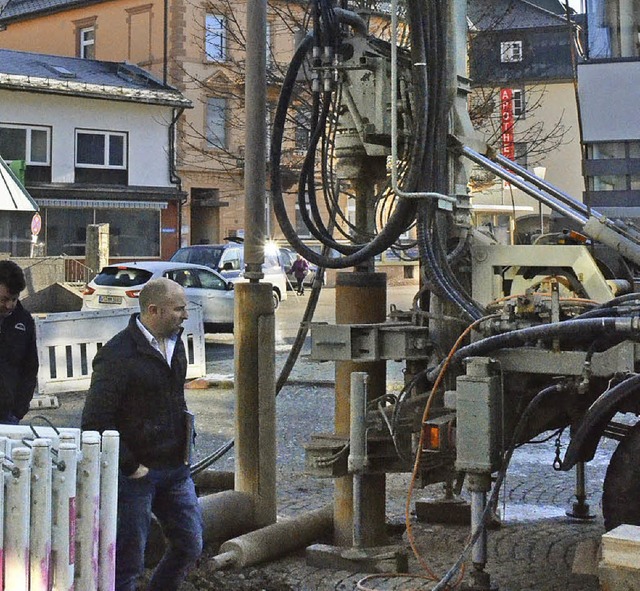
(532, 550)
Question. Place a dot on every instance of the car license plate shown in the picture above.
(109, 299)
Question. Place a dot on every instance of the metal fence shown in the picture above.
(68, 341)
(58, 509)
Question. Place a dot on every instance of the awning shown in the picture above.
(13, 196)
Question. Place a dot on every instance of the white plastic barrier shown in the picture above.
(68, 341)
(48, 541)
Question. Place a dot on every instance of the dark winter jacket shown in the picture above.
(134, 391)
(18, 363)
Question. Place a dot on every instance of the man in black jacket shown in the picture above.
(137, 388)
(18, 351)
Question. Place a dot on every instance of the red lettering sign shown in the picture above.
(506, 109)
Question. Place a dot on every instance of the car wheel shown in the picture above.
(621, 491)
(276, 299)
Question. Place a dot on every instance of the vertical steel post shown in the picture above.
(255, 139)
(358, 449)
(108, 510)
(17, 513)
(40, 546)
(88, 507)
(361, 298)
(254, 314)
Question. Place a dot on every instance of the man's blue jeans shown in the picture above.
(170, 495)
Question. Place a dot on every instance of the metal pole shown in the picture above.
(358, 449)
(255, 139)
(254, 314)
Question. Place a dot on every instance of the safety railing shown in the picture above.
(76, 272)
(67, 343)
(58, 508)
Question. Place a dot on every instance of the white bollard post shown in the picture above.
(63, 543)
(88, 510)
(108, 510)
(40, 558)
(2, 506)
(17, 522)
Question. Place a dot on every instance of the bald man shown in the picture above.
(137, 388)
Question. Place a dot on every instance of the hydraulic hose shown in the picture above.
(577, 330)
(399, 220)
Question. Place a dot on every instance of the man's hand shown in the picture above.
(140, 472)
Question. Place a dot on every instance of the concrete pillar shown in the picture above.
(361, 298)
(254, 354)
(97, 247)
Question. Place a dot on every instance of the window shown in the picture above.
(303, 130)
(132, 232)
(87, 43)
(269, 46)
(216, 125)
(510, 51)
(301, 226)
(518, 103)
(215, 38)
(31, 144)
(521, 149)
(101, 157)
(100, 149)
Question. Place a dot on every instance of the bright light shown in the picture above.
(271, 248)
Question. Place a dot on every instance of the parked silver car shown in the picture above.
(118, 286)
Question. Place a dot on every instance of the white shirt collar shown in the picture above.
(170, 342)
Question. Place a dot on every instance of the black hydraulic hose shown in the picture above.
(583, 443)
(577, 330)
(399, 220)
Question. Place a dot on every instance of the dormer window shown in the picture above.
(510, 52)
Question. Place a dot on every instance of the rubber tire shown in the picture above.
(621, 490)
(276, 299)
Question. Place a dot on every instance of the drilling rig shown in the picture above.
(503, 343)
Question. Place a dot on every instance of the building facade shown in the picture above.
(522, 63)
(608, 82)
(96, 140)
(196, 47)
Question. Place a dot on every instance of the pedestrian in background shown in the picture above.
(300, 268)
(18, 351)
(137, 388)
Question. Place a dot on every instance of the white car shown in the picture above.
(118, 286)
(228, 260)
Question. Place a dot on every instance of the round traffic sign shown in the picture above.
(36, 224)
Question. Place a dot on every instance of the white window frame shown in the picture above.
(215, 36)
(303, 232)
(510, 52)
(519, 106)
(85, 43)
(215, 141)
(105, 161)
(269, 46)
(28, 129)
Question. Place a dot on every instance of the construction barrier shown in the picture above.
(68, 342)
(58, 501)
